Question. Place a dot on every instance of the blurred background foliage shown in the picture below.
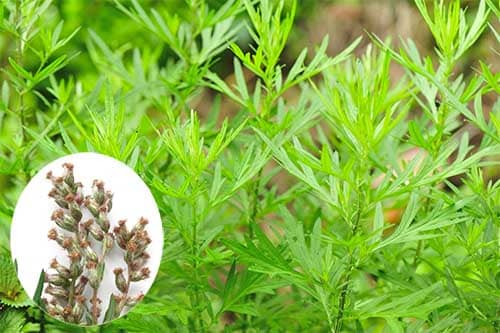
(103, 62)
(343, 21)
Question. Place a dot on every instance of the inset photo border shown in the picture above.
(87, 238)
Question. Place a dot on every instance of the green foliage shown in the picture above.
(11, 292)
(324, 194)
(11, 321)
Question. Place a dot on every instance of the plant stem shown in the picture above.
(124, 295)
(42, 322)
(440, 137)
(194, 252)
(71, 295)
(95, 314)
(254, 205)
(252, 224)
(343, 295)
(346, 281)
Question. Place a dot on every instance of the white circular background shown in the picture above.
(30, 246)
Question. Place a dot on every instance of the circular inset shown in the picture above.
(87, 238)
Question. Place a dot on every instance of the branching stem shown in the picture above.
(254, 204)
(346, 281)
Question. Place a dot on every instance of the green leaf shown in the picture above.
(378, 222)
(110, 313)
(20, 70)
(11, 320)
(140, 323)
(37, 297)
(11, 291)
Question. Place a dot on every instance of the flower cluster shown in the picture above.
(87, 244)
(66, 284)
(134, 244)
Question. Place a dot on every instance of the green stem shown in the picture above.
(252, 224)
(254, 205)
(440, 137)
(346, 281)
(195, 299)
(343, 296)
(42, 322)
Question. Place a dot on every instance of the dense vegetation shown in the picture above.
(300, 191)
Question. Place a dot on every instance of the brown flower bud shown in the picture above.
(107, 243)
(131, 246)
(80, 286)
(145, 271)
(75, 212)
(56, 291)
(56, 280)
(142, 244)
(122, 224)
(140, 275)
(67, 311)
(94, 230)
(136, 264)
(96, 272)
(92, 272)
(75, 266)
(52, 234)
(87, 251)
(64, 242)
(68, 166)
(120, 281)
(64, 221)
(74, 256)
(91, 206)
(121, 235)
(57, 214)
(78, 308)
(69, 179)
(103, 221)
(62, 270)
(53, 193)
(140, 225)
(67, 243)
(70, 197)
(98, 184)
(139, 261)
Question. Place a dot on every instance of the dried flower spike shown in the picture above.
(67, 286)
(134, 243)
